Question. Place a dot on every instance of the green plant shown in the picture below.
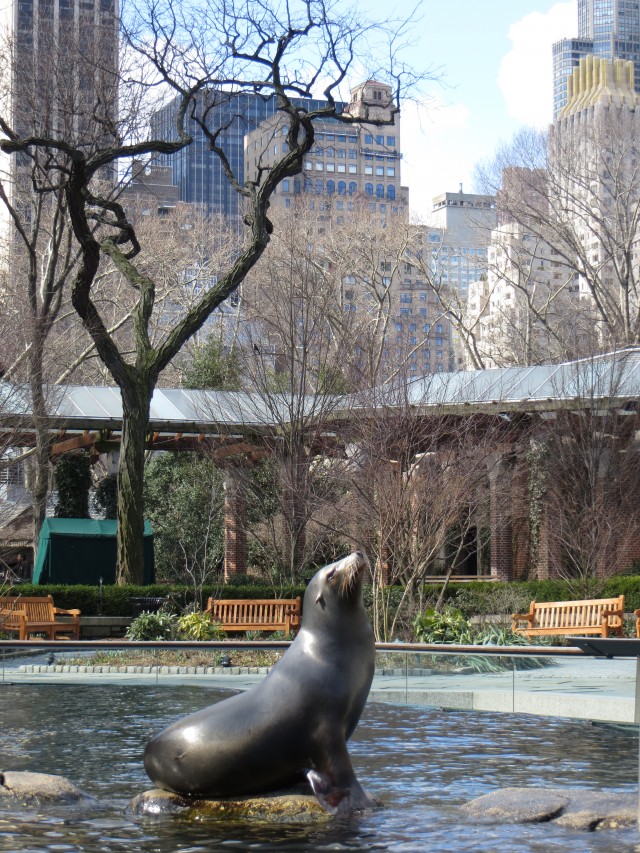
(199, 626)
(105, 497)
(153, 626)
(72, 474)
(447, 626)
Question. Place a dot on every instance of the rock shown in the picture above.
(571, 807)
(517, 805)
(284, 807)
(39, 787)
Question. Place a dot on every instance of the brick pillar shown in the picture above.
(500, 518)
(235, 520)
(518, 507)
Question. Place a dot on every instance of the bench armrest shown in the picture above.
(618, 612)
(521, 617)
(60, 611)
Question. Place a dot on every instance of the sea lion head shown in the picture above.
(338, 585)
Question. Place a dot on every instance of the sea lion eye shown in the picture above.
(331, 574)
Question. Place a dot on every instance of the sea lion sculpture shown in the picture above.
(296, 721)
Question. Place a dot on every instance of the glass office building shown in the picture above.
(606, 28)
(197, 170)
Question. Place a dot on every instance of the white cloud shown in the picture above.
(526, 72)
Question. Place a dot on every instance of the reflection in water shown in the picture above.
(421, 762)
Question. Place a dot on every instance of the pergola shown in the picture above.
(237, 425)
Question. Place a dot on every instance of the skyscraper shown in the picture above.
(606, 28)
(197, 170)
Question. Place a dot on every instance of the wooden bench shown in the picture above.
(603, 616)
(25, 615)
(266, 614)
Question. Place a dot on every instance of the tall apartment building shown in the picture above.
(348, 164)
(196, 170)
(564, 262)
(62, 79)
(606, 28)
(456, 243)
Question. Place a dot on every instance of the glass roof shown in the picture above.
(614, 378)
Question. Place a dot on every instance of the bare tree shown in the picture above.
(588, 468)
(188, 51)
(420, 486)
(574, 194)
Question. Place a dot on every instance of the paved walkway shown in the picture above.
(581, 688)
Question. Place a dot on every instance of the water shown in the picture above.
(421, 762)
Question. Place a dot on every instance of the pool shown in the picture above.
(422, 762)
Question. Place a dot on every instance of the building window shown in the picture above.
(426, 328)
(331, 167)
(368, 188)
(342, 188)
(391, 141)
(353, 154)
(391, 192)
(287, 202)
(342, 167)
(438, 342)
(380, 170)
(319, 167)
(308, 185)
(439, 328)
(380, 140)
(319, 186)
(353, 169)
(406, 297)
(285, 185)
(331, 187)
(341, 153)
(353, 188)
(398, 327)
(379, 190)
(368, 139)
(391, 171)
(368, 170)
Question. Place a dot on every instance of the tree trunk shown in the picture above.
(136, 399)
(40, 482)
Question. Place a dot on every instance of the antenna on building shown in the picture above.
(460, 190)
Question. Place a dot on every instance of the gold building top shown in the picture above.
(597, 80)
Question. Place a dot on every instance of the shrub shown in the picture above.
(199, 626)
(153, 626)
(448, 626)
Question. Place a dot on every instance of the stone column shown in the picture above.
(235, 521)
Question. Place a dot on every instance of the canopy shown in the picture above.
(83, 550)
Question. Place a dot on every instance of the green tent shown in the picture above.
(83, 550)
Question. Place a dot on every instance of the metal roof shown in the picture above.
(612, 379)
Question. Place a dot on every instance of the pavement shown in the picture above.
(590, 688)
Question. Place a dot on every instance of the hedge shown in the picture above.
(477, 596)
(116, 600)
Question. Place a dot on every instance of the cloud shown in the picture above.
(525, 77)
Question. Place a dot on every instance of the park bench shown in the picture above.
(603, 616)
(27, 615)
(268, 614)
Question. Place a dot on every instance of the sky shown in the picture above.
(493, 59)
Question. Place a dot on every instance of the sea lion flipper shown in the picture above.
(339, 800)
(331, 798)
